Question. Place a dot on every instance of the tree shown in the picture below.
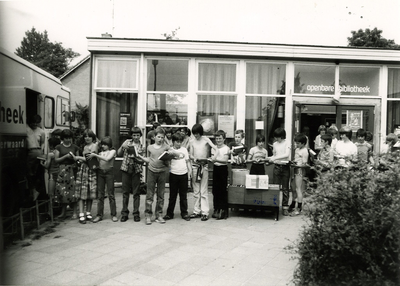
(172, 35)
(37, 49)
(370, 38)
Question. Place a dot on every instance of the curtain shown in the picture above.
(109, 107)
(264, 78)
(217, 77)
(116, 74)
(393, 109)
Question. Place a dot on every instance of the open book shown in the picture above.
(165, 156)
(238, 149)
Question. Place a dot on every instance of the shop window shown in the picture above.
(265, 78)
(167, 108)
(359, 81)
(116, 115)
(62, 111)
(314, 79)
(393, 116)
(394, 83)
(217, 112)
(263, 116)
(48, 112)
(217, 77)
(167, 75)
(117, 74)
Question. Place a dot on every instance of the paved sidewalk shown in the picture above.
(245, 249)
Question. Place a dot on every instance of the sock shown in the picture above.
(292, 205)
(299, 205)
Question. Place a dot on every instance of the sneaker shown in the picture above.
(186, 217)
(285, 212)
(148, 220)
(97, 219)
(194, 215)
(160, 220)
(167, 217)
(204, 217)
(114, 219)
(295, 212)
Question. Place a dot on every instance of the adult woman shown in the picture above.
(64, 155)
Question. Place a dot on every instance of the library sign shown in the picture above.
(342, 89)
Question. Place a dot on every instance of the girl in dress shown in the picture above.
(64, 155)
(86, 181)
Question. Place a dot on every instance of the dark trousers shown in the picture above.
(130, 182)
(105, 178)
(219, 191)
(178, 184)
(281, 177)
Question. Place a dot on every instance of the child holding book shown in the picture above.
(181, 171)
(131, 170)
(238, 150)
(105, 178)
(220, 176)
(198, 154)
(258, 156)
(51, 165)
(280, 157)
(86, 179)
(156, 175)
(300, 160)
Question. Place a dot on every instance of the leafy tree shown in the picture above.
(37, 49)
(370, 38)
(172, 35)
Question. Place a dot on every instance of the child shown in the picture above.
(300, 159)
(238, 150)
(51, 165)
(185, 132)
(86, 179)
(280, 154)
(317, 141)
(65, 155)
(168, 136)
(181, 171)
(220, 177)
(156, 175)
(346, 151)
(199, 152)
(333, 131)
(105, 178)
(364, 149)
(326, 154)
(258, 156)
(131, 168)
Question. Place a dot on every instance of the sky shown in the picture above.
(300, 22)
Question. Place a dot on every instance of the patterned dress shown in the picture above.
(86, 179)
(65, 185)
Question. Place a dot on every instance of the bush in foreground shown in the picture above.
(353, 234)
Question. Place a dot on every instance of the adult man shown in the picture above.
(35, 138)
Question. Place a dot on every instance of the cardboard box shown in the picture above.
(236, 195)
(239, 177)
(257, 181)
(258, 197)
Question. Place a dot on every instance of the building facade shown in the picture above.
(229, 86)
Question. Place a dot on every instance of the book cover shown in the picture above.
(132, 152)
(93, 163)
(238, 149)
(165, 156)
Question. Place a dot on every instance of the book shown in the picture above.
(165, 156)
(203, 160)
(132, 152)
(238, 149)
(93, 163)
(41, 158)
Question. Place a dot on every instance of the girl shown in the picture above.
(258, 156)
(51, 166)
(326, 155)
(64, 155)
(317, 141)
(105, 177)
(86, 181)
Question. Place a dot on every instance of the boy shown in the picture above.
(168, 137)
(280, 153)
(131, 168)
(238, 150)
(156, 175)
(181, 171)
(199, 152)
(300, 159)
(364, 149)
(220, 177)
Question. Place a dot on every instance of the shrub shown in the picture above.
(352, 237)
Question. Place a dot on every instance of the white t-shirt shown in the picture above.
(346, 149)
(178, 163)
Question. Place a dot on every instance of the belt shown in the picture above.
(29, 149)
